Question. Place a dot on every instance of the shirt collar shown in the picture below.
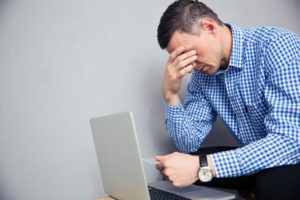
(237, 47)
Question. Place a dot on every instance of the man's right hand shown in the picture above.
(181, 62)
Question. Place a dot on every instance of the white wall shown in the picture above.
(65, 61)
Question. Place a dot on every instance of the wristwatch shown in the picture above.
(204, 173)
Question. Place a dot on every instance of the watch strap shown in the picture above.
(203, 160)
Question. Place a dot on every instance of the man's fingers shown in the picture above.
(181, 62)
(161, 165)
(181, 53)
(186, 55)
(186, 70)
(161, 158)
(184, 63)
(176, 53)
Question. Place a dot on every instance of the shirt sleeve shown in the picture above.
(189, 124)
(281, 146)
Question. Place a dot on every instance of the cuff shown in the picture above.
(172, 112)
(226, 164)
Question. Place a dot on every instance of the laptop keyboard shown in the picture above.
(157, 194)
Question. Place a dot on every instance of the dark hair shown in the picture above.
(182, 15)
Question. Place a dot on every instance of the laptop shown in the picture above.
(121, 166)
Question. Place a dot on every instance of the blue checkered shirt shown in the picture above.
(257, 97)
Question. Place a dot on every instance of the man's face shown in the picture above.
(205, 44)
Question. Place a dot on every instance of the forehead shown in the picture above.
(180, 38)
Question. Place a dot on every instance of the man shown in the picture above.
(248, 77)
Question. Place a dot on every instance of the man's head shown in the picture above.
(183, 15)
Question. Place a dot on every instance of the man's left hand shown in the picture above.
(181, 169)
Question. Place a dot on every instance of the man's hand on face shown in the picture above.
(181, 62)
(181, 169)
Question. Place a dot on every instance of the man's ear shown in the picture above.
(209, 25)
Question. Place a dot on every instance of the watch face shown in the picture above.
(205, 174)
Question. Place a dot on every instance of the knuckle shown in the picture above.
(183, 72)
(172, 56)
(167, 165)
(167, 173)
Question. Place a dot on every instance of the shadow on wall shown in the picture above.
(2, 3)
(2, 190)
(2, 10)
(3, 194)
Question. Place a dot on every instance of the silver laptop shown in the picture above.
(121, 166)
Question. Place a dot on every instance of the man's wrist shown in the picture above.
(172, 100)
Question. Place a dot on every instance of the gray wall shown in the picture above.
(65, 61)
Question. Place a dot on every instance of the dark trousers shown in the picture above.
(275, 183)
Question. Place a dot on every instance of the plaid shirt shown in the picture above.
(257, 97)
